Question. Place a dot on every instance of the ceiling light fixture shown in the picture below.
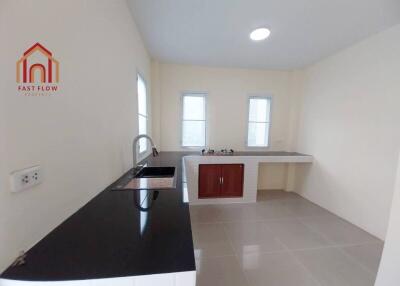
(260, 34)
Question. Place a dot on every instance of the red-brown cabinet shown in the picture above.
(220, 180)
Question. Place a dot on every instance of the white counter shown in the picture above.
(251, 164)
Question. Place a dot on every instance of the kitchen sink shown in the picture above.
(150, 178)
(156, 172)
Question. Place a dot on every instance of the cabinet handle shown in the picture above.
(222, 180)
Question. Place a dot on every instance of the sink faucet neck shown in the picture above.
(134, 145)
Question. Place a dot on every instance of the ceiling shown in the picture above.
(216, 32)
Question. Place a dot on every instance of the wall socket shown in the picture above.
(26, 178)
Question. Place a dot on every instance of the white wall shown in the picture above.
(81, 137)
(228, 90)
(3, 177)
(156, 104)
(272, 176)
(388, 274)
(350, 123)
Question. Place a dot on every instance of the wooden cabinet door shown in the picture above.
(232, 180)
(209, 180)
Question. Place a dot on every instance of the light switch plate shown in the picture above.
(26, 178)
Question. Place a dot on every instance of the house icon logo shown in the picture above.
(38, 72)
(37, 60)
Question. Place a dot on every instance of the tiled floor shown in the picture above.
(281, 240)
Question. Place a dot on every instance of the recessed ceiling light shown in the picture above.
(260, 34)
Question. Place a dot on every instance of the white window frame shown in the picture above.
(146, 116)
(199, 94)
(259, 96)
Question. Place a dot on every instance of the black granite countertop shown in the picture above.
(121, 233)
(117, 234)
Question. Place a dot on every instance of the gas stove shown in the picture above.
(212, 152)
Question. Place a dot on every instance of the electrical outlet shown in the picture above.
(26, 178)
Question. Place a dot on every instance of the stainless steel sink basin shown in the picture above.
(150, 178)
(156, 172)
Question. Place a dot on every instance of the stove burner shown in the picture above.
(227, 152)
(207, 152)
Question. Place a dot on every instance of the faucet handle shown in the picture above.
(137, 169)
(155, 152)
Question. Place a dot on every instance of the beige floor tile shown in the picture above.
(237, 212)
(275, 269)
(204, 214)
(338, 230)
(272, 211)
(275, 195)
(304, 208)
(284, 240)
(221, 271)
(250, 237)
(295, 235)
(368, 255)
(210, 240)
(331, 267)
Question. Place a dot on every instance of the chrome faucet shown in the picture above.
(153, 148)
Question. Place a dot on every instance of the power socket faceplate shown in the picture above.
(26, 178)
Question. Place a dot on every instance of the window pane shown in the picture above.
(193, 107)
(194, 133)
(259, 109)
(142, 96)
(258, 134)
(142, 130)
